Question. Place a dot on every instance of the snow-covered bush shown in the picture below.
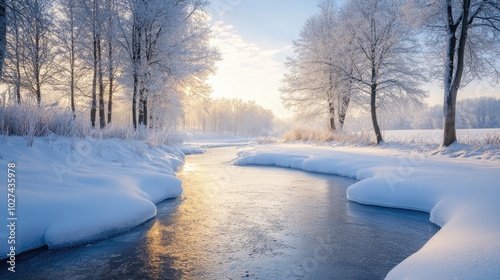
(325, 136)
(31, 121)
(488, 139)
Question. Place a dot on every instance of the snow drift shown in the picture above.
(75, 191)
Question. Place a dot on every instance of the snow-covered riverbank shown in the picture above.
(74, 191)
(461, 195)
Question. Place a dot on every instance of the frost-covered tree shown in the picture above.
(315, 80)
(30, 57)
(14, 58)
(110, 34)
(70, 30)
(37, 43)
(466, 32)
(3, 32)
(167, 44)
(385, 52)
(95, 12)
(101, 21)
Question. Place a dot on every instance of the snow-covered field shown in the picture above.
(481, 144)
(466, 136)
(74, 191)
(461, 194)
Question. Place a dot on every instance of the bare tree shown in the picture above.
(69, 32)
(3, 32)
(14, 58)
(313, 83)
(30, 53)
(96, 14)
(110, 39)
(38, 46)
(471, 44)
(386, 49)
(167, 43)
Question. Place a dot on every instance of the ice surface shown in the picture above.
(461, 195)
(74, 191)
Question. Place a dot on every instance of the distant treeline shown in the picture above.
(483, 112)
(228, 116)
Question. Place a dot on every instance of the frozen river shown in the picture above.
(246, 222)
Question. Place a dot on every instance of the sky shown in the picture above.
(255, 37)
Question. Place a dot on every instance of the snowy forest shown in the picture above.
(92, 55)
(97, 56)
(131, 62)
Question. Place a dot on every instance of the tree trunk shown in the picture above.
(450, 132)
(373, 107)
(331, 107)
(344, 101)
(38, 90)
(72, 79)
(453, 75)
(331, 104)
(72, 62)
(134, 104)
(111, 79)
(145, 108)
(17, 54)
(102, 116)
(37, 66)
(344, 104)
(141, 105)
(136, 59)
(373, 101)
(3, 33)
(93, 109)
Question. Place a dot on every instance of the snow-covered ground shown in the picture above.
(74, 191)
(483, 144)
(435, 136)
(461, 194)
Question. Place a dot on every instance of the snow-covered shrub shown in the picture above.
(268, 140)
(326, 136)
(488, 139)
(158, 138)
(31, 121)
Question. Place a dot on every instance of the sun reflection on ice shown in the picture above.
(189, 167)
(155, 249)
